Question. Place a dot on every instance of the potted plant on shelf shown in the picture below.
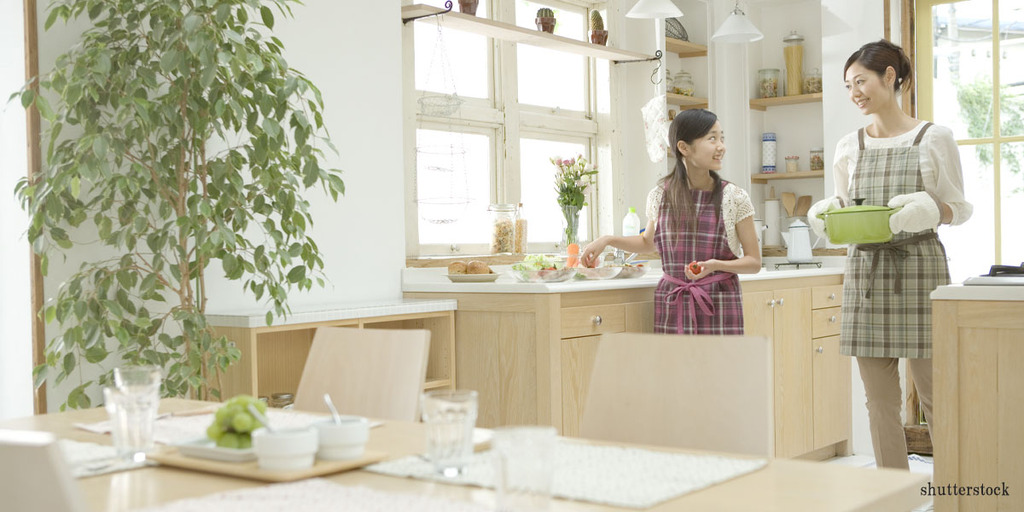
(598, 35)
(468, 6)
(179, 138)
(545, 20)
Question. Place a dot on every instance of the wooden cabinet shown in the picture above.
(274, 356)
(529, 355)
(979, 397)
(812, 381)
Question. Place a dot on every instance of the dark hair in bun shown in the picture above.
(878, 56)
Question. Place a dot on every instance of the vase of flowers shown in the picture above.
(573, 178)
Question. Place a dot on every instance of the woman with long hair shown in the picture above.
(895, 161)
(695, 216)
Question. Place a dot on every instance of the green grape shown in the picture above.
(214, 431)
(243, 422)
(244, 441)
(228, 440)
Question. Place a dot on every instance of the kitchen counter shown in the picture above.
(330, 312)
(436, 280)
(961, 292)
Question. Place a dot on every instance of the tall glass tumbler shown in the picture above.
(450, 417)
(524, 467)
(132, 405)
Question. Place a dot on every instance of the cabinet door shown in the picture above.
(758, 308)
(794, 418)
(640, 317)
(831, 392)
(578, 355)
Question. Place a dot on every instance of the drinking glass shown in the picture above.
(450, 417)
(132, 405)
(523, 467)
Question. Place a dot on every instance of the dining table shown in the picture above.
(782, 485)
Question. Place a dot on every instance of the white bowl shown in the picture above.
(285, 450)
(342, 441)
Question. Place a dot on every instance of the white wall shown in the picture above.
(845, 26)
(352, 51)
(15, 302)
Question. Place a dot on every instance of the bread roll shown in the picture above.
(457, 267)
(478, 267)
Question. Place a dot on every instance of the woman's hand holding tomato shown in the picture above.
(699, 269)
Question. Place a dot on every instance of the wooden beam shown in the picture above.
(908, 40)
(32, 126)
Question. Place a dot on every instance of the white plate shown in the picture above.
(472, 278)
(204, 448)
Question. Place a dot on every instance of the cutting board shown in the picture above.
(251, 470)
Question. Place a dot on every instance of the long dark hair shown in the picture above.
(878, 56)
(688, 126)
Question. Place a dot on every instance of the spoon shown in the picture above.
(260, 418)
(334, 410)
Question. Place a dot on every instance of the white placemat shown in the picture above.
(315, 495)
(611, 475)
(91, 459)
(176, 429)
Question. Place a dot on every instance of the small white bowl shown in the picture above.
(285, 450)
(345, 440)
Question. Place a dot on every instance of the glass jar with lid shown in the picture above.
(768, 83)
(794, 53)
(682, 83)
(812, 81)
(817, 159)
(503, 225)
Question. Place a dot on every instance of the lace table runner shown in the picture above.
(315, 495)
(611, 475)
(91, 459)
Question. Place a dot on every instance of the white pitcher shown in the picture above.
(798, 242)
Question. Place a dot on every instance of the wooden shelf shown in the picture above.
(686, 102)
(436, 384)
(508, 32)
(765, 178)
(764, 103)
(685, 48)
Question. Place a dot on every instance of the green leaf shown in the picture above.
(44, 108)
(169, 61)
(268, 17)
(99, 148)
(27, 97)
(50, 314)
(270, 317)
(296, 274)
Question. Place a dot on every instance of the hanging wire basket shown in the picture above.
(440, 105)
(442, 183)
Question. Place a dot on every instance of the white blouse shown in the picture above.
(736, 206)
(940, 165)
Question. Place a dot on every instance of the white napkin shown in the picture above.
(91, 459)
(656, 124)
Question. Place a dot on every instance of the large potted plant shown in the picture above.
(179, 137)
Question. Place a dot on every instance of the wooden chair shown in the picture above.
(377, 373)
(702, 392)
(34, 474)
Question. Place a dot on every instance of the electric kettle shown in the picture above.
(798, 242)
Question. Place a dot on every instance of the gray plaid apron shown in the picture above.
(886, 308)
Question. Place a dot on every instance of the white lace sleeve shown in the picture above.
(736, 206)
(654, 203)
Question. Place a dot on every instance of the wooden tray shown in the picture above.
(251, 470)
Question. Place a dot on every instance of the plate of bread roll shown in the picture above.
(471, 272)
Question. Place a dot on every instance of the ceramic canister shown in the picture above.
(768, 152)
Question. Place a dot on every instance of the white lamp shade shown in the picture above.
(737, 29)
(654, 9)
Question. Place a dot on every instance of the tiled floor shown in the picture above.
(918, 464)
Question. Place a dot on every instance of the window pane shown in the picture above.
(970, 247)
(962, 84)
(453, 173)
(451, 60)
(1011, 73)
(540, 203)
(551, 78)
(1012, 186)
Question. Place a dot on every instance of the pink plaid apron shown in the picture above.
(713, 305)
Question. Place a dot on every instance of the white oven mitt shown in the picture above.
(818, 225)
(656, 123)
(920, 212)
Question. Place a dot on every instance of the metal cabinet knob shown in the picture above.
(771, 303)
(596, 320)
(832, 319)
(781, 301)
(831, 296)
(821, 350)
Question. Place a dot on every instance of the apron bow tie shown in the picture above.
(697, 297)
(897, 254)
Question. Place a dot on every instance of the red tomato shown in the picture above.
(695, 268)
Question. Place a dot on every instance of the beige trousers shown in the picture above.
(881, 378)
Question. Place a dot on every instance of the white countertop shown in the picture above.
(331, 312)
(961, 292)
(436, 280)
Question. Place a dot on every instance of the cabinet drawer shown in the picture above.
(826, 296)
(587, 320)
(825, 322)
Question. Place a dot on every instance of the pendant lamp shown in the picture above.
(737, 28)
(654, 9)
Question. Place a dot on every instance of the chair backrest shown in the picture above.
(378, 373)
(702, 392)
(34, 474)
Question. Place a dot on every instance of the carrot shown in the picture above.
(574, 255)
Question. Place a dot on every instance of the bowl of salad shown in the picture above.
(539, 268)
